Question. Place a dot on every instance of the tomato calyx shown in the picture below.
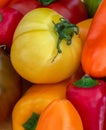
(65, 30)
(86, 82)
(46, 2)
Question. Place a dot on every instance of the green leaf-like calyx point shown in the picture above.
(86, 82)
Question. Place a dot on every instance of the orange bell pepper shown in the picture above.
(60, 115)
(34, 101)
(94, 51)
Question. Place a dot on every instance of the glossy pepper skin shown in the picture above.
(77, 9)
(73, 10)
(24, 6)
(93, 60)
(90, 101)
(60, 114)
(34, 101)
(92, 6)
(9, 19)
(3, 3)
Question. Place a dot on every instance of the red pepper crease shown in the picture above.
(89, 98)
(24, 6)
(77, 9)
(9, 19)
(73, 10)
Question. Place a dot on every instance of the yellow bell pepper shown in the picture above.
(46, 48)
(34, 101)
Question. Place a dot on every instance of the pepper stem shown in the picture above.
(86, 82)
(46, 2)
(65, 30)
(0, 17)
(31, 123)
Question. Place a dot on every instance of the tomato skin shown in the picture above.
(10, 86)
(9, 21)
(45, 65)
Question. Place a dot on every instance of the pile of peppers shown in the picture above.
(87, 94)
(13, 11)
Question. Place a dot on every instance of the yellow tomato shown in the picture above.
(35, 53)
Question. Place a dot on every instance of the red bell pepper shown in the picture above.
(77, 9)
(73, 10)
(24, 6)
(9, 19)
(89, 98)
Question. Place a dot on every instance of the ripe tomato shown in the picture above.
(10, 86)
(36, 54)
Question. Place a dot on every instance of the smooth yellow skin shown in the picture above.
(34, 53)
(36, 99)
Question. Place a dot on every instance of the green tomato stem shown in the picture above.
(65, 30)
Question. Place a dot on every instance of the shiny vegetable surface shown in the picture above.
(84, 28)
(60, 115)
(9, 19)
(92, 6)
(89, 98)
(46, 47)
(34, 101)
(10, 86)
(24, 6)
(73, 10)
(94, 51)
(3, 3)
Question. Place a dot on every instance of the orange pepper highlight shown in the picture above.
(93, 58)
(35, 100)
(60, 115)
(84, 28)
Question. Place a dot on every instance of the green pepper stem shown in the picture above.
(31, 123)
(65, 30)
(46, 2)
(0, 17)
(86, 82)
